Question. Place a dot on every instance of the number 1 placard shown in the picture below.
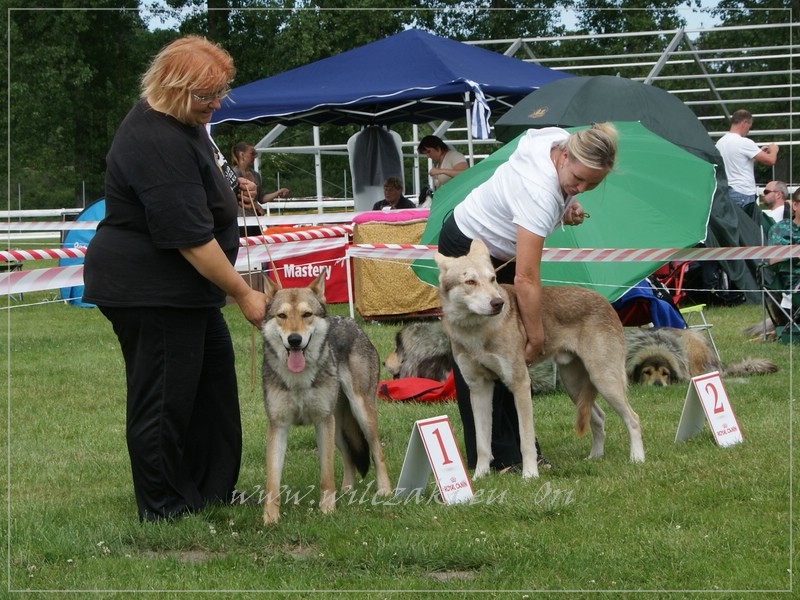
(432, 447)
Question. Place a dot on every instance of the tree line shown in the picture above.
(74, 71)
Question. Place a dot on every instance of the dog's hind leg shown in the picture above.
(583, 394)
(363, 412)
(611, 383)
(276, 451)
(326, 434)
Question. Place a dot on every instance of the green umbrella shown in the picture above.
(658, 196)
(576, 101)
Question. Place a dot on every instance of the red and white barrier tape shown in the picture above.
(252, 258)
(298, 236)
(281, 238)
(49, 253)
(37, 280)
(9, 226)
(17, 282)
(415, 251)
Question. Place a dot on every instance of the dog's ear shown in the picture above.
(318, 287)
(441, 260)
(478, 248)
(270, 287)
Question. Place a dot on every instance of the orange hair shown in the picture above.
(185, 66)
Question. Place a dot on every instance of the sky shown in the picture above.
(695, 18)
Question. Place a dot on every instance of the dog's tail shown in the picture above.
(751, 366)
(583, 412)
(355, 442)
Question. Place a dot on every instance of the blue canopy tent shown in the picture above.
(410, 77)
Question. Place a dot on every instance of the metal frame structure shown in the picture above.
(703, 91)
(698, 89)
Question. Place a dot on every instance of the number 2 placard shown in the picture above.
(433, 447)
(707, 391)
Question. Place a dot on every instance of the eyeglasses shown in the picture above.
(766, 191)
(212, 97)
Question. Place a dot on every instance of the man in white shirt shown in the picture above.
(739, 153)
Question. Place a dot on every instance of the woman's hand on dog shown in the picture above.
(253, 305)
(534, 351)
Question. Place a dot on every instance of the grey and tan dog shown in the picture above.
(582, 334)
(319, 370)
(423, 350)
(662, 356)
(420, 350)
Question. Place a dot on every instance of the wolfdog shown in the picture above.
(319, 370)
(661, 356)
(420, 350)
(423, 350)
(583, 335)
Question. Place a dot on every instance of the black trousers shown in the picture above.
(505, 422)
(183, 425)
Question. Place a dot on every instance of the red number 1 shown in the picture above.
(438, 435)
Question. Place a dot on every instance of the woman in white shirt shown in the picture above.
(513, 212)
(447, 162)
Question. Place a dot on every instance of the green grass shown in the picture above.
(694, 517)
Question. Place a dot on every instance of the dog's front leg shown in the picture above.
(480, 395)
(326, 442)
(276, 451)
(527, 433)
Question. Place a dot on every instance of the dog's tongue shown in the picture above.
(297, 361)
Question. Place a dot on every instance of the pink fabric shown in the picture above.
(392, 216)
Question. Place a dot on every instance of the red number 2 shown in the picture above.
(719, 407)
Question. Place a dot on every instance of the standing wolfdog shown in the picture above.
(583, 335)
(319, 370)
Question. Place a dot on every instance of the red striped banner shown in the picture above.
(663, 255)
(17, 282)
(10, 226)
(260, 240)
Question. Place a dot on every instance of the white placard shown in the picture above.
(433, 447)
(707, 401)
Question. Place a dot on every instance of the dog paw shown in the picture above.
(271, 514)
(480, 472)
(328, 502)
(530, 473)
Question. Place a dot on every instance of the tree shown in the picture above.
(599, 17)
(770, 66)
(73, 75)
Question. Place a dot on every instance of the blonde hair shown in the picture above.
(183, 66)
(595, 147)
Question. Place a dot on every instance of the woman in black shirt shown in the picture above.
(159, 268)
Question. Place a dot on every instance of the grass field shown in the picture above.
(693, 518)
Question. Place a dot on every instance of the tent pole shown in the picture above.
(469, 129)
(318, 168)
(415, 162)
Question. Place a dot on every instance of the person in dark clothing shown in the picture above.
(393, 196)
(159, 269)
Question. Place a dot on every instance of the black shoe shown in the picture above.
(543, 463)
